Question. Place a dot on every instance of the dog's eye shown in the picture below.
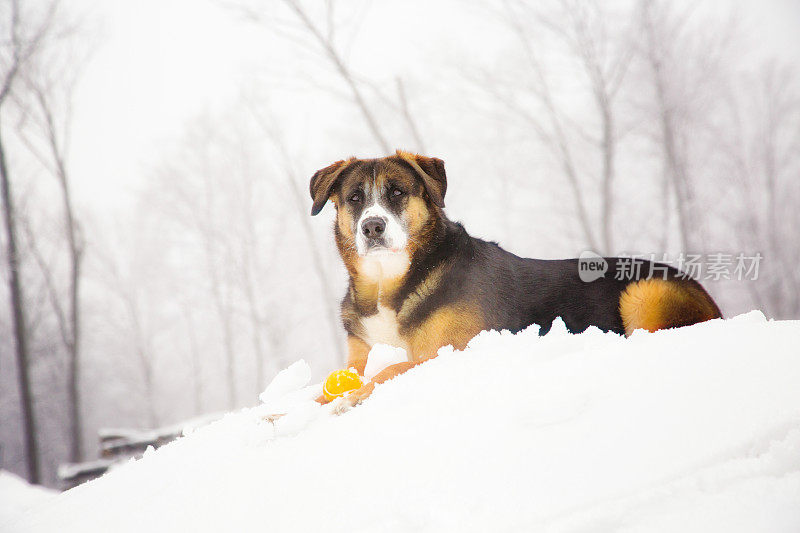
(396, 193)
(356, 197)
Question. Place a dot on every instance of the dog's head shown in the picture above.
(384, 207)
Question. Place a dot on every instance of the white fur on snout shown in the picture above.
(388, 262)
(394, 235)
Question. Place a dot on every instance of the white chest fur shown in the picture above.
(383, 327)
(384, 265)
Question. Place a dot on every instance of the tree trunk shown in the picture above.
(674, 168)
(20, 332)
(75, 256)
(609, 151)
(75, 244)
(221, 302)
(194, 349)
(144, 353)
(558, 138)
(301, 209)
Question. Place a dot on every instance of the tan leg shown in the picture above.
(449, 325)
(357, 352)
(390, 372)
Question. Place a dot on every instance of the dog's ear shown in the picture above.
(322, 183)
(431, 171)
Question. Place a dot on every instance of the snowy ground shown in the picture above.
(17, 496)
(687, 430)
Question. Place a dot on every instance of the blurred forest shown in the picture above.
(640, 126)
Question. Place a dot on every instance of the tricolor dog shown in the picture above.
(420, 281)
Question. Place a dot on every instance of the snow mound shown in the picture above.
(691, 430)
(17, 496)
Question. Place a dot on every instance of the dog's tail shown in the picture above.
(654, 304)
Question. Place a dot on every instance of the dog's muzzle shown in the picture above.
(374, 229)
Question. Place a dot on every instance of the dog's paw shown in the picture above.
(339, 406)
(345, 403)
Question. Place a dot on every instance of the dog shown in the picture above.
(419, 281)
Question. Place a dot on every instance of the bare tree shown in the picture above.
(603, 58)
(250, 263)
(221, 293)
(247, 267)
(324, 38)
(54, 135)
(142, 347)
(18, 316)
(22, 40)
(408, 116)
(780, 145)
(685, 65)
(658, 54)
(554, 133)
(326, 42)
(605, 61)
(760, 148)
(124, 274)
(194, 357)
(301, 209)
(582, 30)
(204, 198)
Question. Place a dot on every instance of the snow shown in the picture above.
(696, 429)
(381, 356)
(17, 496)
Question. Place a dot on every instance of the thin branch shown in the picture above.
(47, 275)
(560, 140)
(300, 207)
(409, 118)
(344, 72)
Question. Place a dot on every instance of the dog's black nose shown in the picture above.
(373, 227)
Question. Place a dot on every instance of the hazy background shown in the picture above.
(176, 138)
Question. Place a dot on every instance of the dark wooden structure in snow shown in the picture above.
(118, 446)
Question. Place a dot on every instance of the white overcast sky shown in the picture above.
(161, 62)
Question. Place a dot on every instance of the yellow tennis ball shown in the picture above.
(340, 383)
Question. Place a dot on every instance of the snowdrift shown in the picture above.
(17, 496)
(696, 429)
